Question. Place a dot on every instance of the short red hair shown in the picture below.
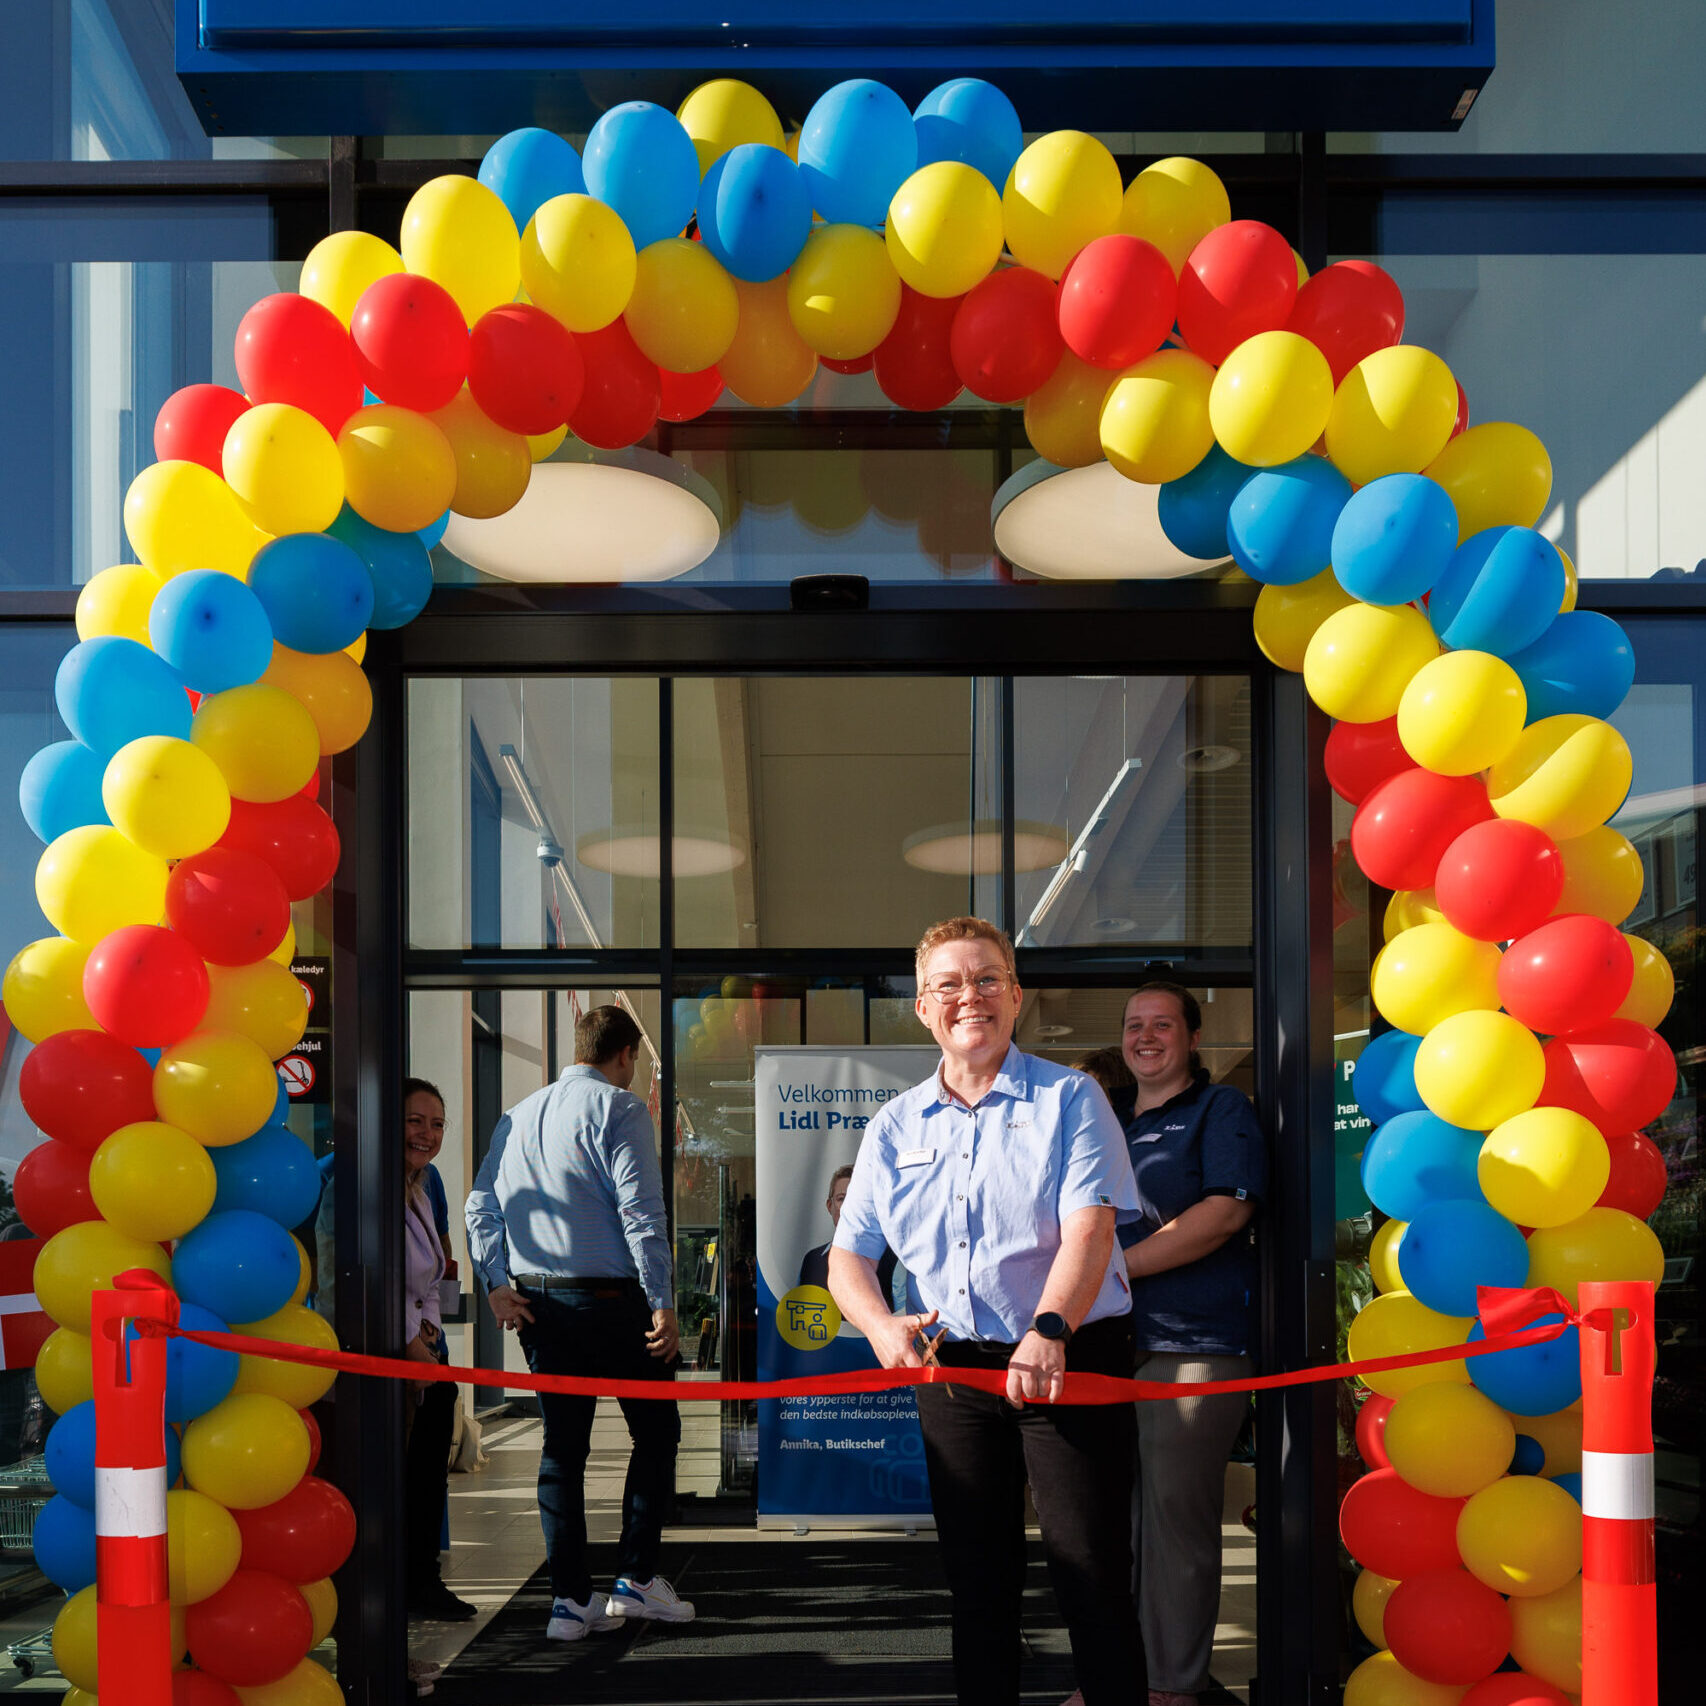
(961, 930)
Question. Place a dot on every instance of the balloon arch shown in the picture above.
(1283, 419)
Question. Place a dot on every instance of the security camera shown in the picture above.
(550, 850)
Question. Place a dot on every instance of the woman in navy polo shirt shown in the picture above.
(1201, 1167)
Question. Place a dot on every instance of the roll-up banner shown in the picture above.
(853, 1462)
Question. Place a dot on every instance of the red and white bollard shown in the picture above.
(1619, 1593)
(133, 1615)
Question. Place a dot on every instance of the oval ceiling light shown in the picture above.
(639, 853)
(974, 849)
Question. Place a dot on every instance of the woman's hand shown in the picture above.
(895, 1339)
(423, 1347)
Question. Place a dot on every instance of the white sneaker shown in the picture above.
(655, 1599)
(572, 1619)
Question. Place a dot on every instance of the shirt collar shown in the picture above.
(1199, 1082)
(580, 1070)
(1012, 1080)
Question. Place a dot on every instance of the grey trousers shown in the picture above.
(1177, 1497)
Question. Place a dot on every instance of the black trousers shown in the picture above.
(980, 1451)
(426, 1470)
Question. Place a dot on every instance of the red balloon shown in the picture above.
(292, 350)
(1461, 424)
(1348, 311)
(1392, 1529)
(81, 1086)
(622, 393)
(1403, 828)
(1514, 1688)
(1360, 756)
(686, 396)
(202, 1688)
(1005, 341)
(524, 368)
(314, 1440)
(146, 985)
(858, 364)
(229, 905)
(1241, 279)
(410, 342)
(1499, 880)
(294, 836)
(1117, 301)
(51, 1188)
(1371, 1430)
(306, 1535)
(310, 790)
(1445, 1626)
(1620, 1075)
(1639, 1177)
(256, 1629)
(192, 424)
(1570, 974)
(913, 363)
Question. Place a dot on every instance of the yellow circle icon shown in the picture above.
(807, 1318)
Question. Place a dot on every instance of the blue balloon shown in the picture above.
(641, 162)
(111, 691)
(1499, 593)
(281, 1104)
(857, 147)
(1451, 1247)
(316, 591)
(970, 120)
(1384, 1082)
(1280, 525)
(238, 1265)
(272, 1173)
(1193, 509)
(526, 168)
(1529, 1458)
(1582, 663)
(211, 629)
(64, 1543)
(754, 212)
(1571, 1483)
(197, 1376)
(70, 1455)
(1416, 1159)
(60, 789)
(1533, 1380)
(1394, 539)
(430, 535)
(398, 564)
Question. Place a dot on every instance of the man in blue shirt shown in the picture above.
(996, 1182)
(566, 1228)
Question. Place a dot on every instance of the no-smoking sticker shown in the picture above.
(298, 1075)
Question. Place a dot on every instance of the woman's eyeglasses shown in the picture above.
(986, 987)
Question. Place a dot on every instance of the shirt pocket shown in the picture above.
(1021, 1182)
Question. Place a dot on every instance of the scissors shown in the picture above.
(926, 1346)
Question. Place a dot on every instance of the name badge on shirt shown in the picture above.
(914, 1157)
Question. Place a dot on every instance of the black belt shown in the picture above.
(607, 1286)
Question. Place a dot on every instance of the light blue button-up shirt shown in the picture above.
(972, 1200)
(571, 1187)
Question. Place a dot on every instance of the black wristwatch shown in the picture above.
(1049, 1325)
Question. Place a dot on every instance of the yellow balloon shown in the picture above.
(117, 601)
(1570, 581)
(180, 515)
(263, 741)
(492, 465)
(83, 1259)
(203, 1545)
(1407, 908)
(1425, 975)
(1368, 1605)
(1395, 1324)
(459, 234)
(724, 113)
(1478, 1069)
(43, 991)
(1381, 1681)
(1462, 712)
(578, 262)
(944, 228)
(283, 468)
(247, 1451)
(285, 952)
(1559, 1435)
(684, 310)
(1063, 416)
(1154, 425)
(65, 1374)
(1603, 874)
(322, 1599)
(166, 795)
(1654, 986)
(1287, 617)
(1544, 1167)
(1361, 659)
(1271, 399)
(74, 1650)
(340, 267)
(769, 364)
(308, 1684)
(1449, 1440)
(260, 1001)
(1497, 474)
(843, 292)
(94, 879)
(296, 1384)
(151, 1180)
(332, 689)
(217, 1086)
(1174, 204)
(1546, 1635)
(1063, 192)
(399, 470)
(1392, 414)
(1383, 1255)
(541, 445)
(1602, 1244)
(1521, 1536)
(304, 1271)
(1566, 774)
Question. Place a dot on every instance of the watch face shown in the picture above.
(1051, 1326)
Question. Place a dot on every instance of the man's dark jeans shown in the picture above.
(584, 1334)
